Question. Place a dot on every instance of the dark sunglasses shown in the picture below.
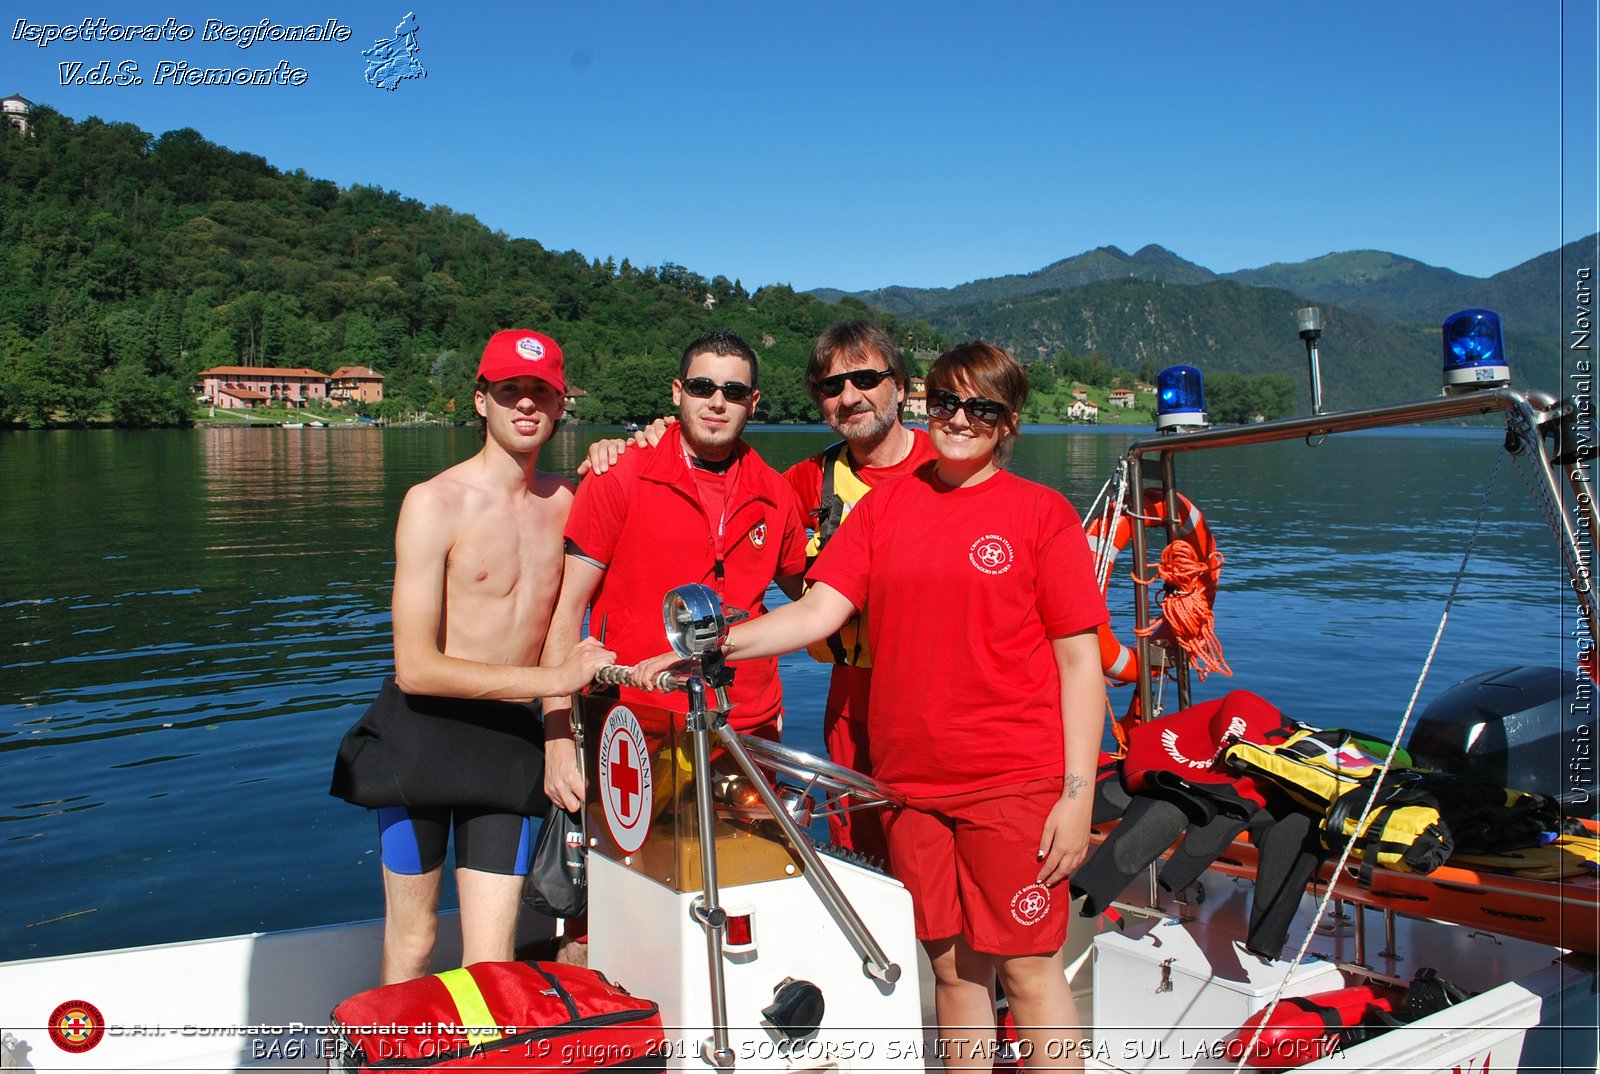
(980, 411)
(705, 388)
(864, 379)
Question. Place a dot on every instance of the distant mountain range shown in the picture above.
(1389, 287)
(1105, 263)
(1383, 313)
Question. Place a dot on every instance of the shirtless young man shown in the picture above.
(478, 558)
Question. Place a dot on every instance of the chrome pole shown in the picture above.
(1309, 321)
(1169, 482)
(717, 1051)
(1438, 408)
(1141, 593)
(1314, 360)
(1361, 935)
(1389, 946)
(874, 961)
(1577, 560)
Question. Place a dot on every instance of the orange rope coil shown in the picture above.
(1191, 579)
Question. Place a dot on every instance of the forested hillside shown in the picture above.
(130, 262)
(1229, 327)
(1389, 287)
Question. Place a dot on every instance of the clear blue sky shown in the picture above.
(922, 143)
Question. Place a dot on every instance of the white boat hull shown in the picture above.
(261, 1001)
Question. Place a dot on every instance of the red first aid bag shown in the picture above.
(532, 1016)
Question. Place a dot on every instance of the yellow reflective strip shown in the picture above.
(471, 1009)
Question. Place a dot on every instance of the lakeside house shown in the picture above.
(1122, 397)
(1084, 411)
(355, 384)
(233, 387)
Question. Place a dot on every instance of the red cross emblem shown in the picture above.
(626, 789)
(624, 777)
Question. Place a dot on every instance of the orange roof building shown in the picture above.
(241, 386)
(355, 384)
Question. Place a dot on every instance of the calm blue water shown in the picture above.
(190, 620)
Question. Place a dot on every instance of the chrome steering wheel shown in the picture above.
(839, 790)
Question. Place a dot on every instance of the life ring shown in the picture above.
(1118, 662)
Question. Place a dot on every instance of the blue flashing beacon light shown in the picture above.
(1180, 399)
(1474, 352)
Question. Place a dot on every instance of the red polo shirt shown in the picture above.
(655, 524)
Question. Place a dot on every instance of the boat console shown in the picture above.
(705, 894)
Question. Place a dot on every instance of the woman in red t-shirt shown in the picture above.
(987, 700)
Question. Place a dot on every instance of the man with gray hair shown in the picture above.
(859, 380)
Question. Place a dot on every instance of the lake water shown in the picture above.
(189, 620)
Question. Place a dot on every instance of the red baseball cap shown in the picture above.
(522, 352)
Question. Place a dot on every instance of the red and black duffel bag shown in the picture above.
(533, 1016)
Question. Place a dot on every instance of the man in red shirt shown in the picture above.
(699, 506)
(860, 381)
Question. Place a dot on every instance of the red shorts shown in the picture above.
(971, 863)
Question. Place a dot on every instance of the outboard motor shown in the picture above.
(1528, 728)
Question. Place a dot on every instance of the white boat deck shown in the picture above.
(260, 1002)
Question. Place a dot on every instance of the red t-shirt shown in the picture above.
(655, 526)
(850, 689)
(967, 587)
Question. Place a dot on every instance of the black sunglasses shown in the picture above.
(980, 411)
(705, 388)
(864, 379)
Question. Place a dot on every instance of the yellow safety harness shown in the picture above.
(842, 489)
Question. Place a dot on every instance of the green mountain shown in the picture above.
(1394, 288)
(1105, 263)
(1225, 326)
(1382, 285)
(1526, 296)
(1155, 307)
